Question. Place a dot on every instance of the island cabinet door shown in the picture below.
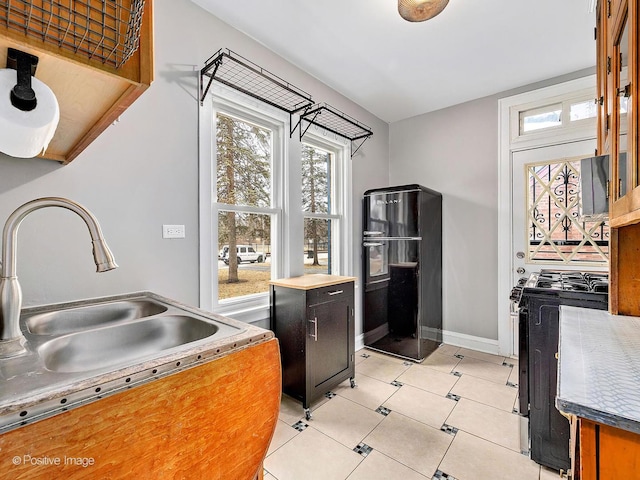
(608, 453)
(330, 338)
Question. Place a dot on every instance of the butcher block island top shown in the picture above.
(309, 282)
(207, 411)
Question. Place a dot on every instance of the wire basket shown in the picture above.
(105, 30)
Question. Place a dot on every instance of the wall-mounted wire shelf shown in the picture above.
(241, 74)
(237, 72)
(106, 30)
(333, 120)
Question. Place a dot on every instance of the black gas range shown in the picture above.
(538, 299)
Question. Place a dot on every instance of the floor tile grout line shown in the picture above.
(336, 440)
(444, 456)
(410, 418)
(492, 442)
(397, 461)
(291, 426)
(460, 429)
(342, 444)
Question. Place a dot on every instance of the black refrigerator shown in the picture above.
(402, 262)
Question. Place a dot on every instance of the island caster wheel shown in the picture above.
(353, 383)
(307, 414)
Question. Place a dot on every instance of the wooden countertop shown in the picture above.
(308, 282)
(599, 367)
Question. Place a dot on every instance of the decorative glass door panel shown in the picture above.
(557, 232)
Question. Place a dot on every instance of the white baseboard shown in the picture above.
(472, 342)
(479, 344)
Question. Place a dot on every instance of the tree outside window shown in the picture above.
(243, 180)
(316, 200)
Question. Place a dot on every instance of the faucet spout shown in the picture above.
(12, 341)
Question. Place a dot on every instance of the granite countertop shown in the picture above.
(308, 282)
(599, 367)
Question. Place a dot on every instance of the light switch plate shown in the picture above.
(172, 231)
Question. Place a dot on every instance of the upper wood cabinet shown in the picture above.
(618, 78)
(91, 93)
(617, 68)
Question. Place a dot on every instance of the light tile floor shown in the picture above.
(448, 418)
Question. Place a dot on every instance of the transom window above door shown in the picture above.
(540, 119)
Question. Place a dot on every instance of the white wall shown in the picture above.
(455, 151)
(142, 172)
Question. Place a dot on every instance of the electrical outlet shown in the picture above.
(172, 231)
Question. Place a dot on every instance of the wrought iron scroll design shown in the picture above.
(557, 233)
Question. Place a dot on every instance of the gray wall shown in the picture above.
(142, 172)
(455, 151)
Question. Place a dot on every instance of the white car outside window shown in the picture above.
(245, 253)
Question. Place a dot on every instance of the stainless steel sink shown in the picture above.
(74, 319)
(78, 352)
(105, 333)
(120, 344)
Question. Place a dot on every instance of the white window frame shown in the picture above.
(557, 132)
(227, 101)
(340, 153)
(288, 219)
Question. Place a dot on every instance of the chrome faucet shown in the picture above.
(12, 341)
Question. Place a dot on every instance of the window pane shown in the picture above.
(249, 270)
(557, 233)
(539, 118)
(317, 246)
(243, 162)
(583, 110)
(316, 180)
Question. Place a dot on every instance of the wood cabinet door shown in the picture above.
(329, 352)
(608, 453)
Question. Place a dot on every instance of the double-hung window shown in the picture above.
(242, 156)
(271, 205)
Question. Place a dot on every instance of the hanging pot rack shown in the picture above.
(237, 72)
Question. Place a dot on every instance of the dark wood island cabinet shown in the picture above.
(313, 318)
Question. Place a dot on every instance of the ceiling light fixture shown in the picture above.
(420, 10)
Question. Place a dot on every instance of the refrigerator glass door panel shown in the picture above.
(377, 261)
(392, 214)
